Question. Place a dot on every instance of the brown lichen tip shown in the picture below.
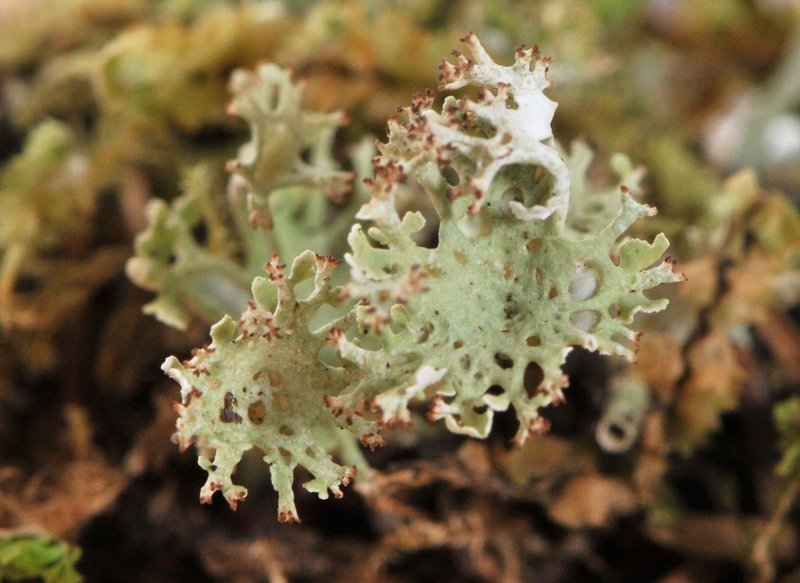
(387, 174)
(338, 406)
(527, 55)
(334, 336)
(327, 261)
(434, 412)
(537, 426)
(421, 101)
(274, 269)
(207, 497)
(469, 38)
(288, 517)
(372, 441)
(235, 498)
(397, 421)
(272, 330)
(672, 264)
(452, 72)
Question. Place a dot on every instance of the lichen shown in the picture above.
(488, 317)
(478, 323)
(261, 383)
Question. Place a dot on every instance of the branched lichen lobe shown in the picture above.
(510, 287)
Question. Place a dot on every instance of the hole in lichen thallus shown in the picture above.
(480, 409)
(503, 360)
(200, 233)
(450, 175)
(584, 283)
(585, 320)
(257, 412)
(532, 379)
